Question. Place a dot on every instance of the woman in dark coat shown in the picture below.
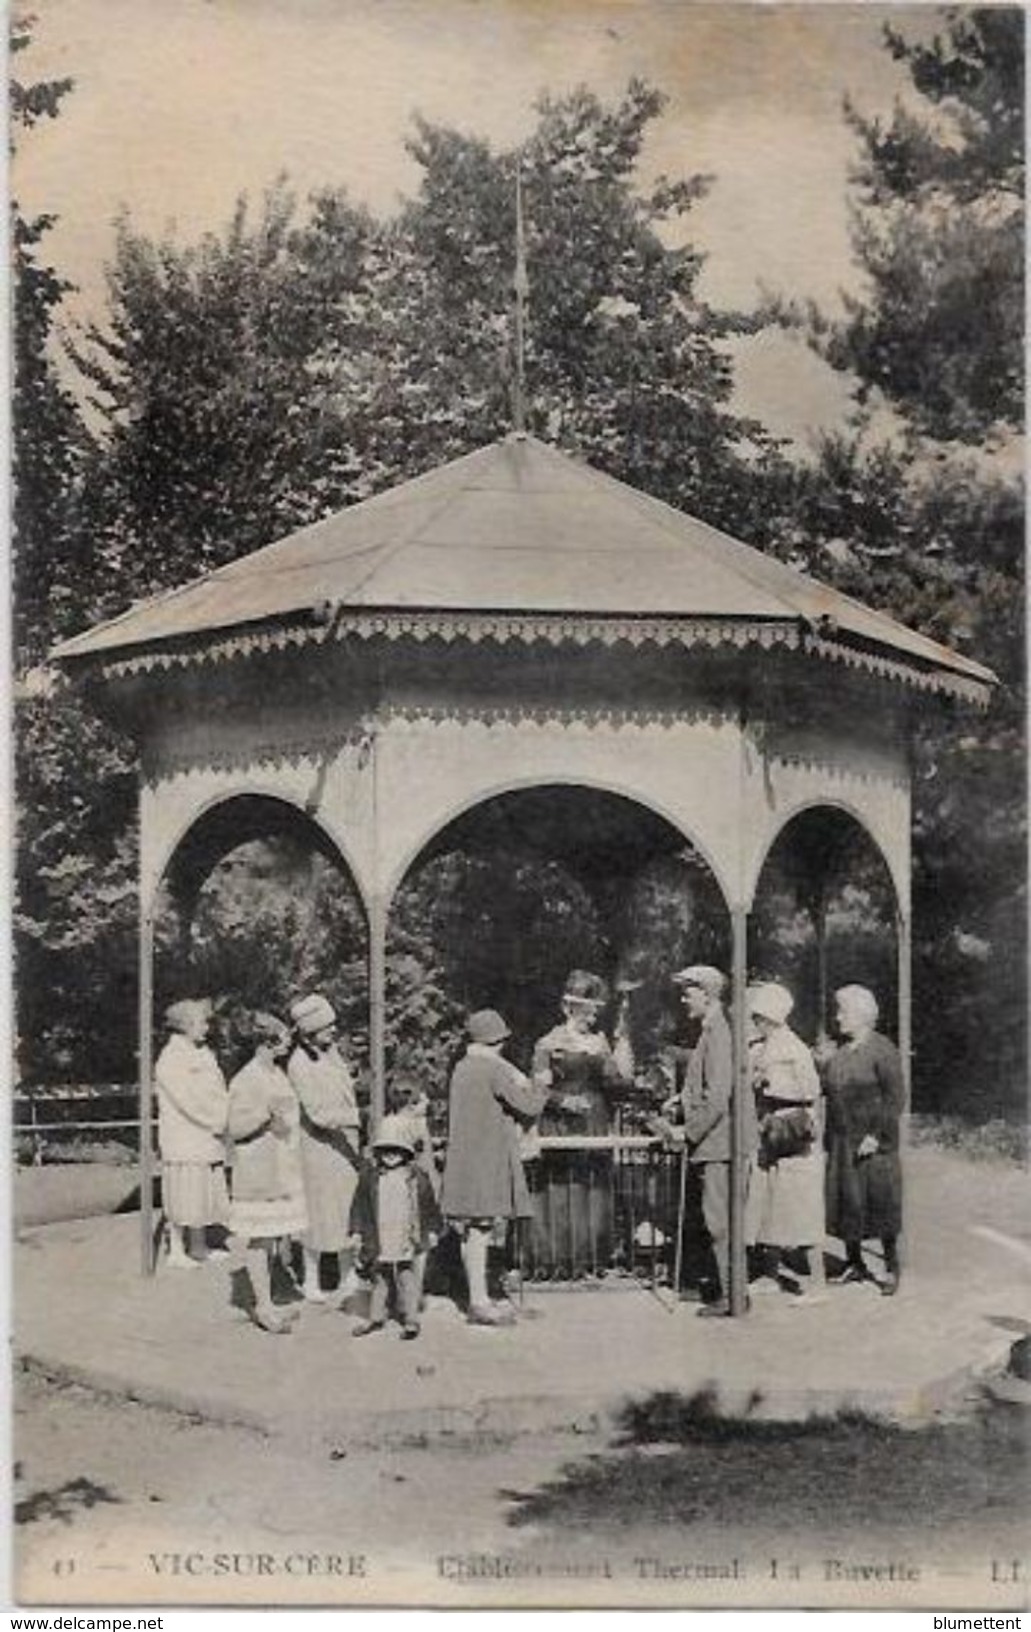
(865, 1094)
(490, 1100)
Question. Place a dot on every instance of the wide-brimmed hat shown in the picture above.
(312, 1013)
(393, 1134)
(703, 975)
(770, 1001)
(583, 988)
(487, 1026)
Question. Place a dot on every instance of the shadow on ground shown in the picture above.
(62, 1503)
(676, 1460)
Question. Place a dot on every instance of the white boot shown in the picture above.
(310, 1285)
(474, 1256)
(350, 1280)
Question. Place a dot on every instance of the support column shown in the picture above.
(818, 912)
(903, 934)
(738, 1292)
(378, 1005)
(146, 1069)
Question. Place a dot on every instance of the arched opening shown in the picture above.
(522, 887)
(825, 915)
(255, 906)
(495, 911)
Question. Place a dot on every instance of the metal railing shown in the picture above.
(604, 1207)
(45, 1119)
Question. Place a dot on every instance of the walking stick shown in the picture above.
(678, 1251)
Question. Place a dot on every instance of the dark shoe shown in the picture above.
(409, 1331)
(890, 1284)
(720, 1307)
(364, 1327)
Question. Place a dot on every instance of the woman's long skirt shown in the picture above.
(329, 1185)
(194, 1194)
(864, 1195)
(572, 1234)
(785, 1202)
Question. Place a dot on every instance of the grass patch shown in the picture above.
(73, 1150)
(679, 1462)
(997, 1140)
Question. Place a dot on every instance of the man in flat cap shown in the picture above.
(706, 1109)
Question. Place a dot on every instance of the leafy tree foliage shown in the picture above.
(623, 363)
(262, 378)
(47, 437)
(75, 892)
(75, 907)
(221, 425)
(934, 531)
(938, 231)
(937, 540)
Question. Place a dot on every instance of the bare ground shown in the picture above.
(108, 1492)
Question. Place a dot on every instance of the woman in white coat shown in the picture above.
(192, 1105)
(786, 1191)
(268, 1207)
(329, 1138)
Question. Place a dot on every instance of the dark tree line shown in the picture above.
(311, 354)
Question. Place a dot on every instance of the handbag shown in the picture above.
(789, 1132)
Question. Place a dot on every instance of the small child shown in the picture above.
(409, 1103)
(396, 1218)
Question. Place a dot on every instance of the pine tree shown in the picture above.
(938, 232)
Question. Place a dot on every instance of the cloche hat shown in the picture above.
(771, 1001)
(312, 1013)
(487, 1026)
(179, 1015)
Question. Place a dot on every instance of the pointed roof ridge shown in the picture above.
(758, 566)
(516, 526)
(228, 568)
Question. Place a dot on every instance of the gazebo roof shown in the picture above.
(519, 540)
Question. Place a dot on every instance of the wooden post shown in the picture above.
(146, 1067)
(819, 916)
(738, 1292)
(903, 935)
(378, 1005)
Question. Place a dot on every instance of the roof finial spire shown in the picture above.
(521, 284)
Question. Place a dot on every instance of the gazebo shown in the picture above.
(512, 620)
